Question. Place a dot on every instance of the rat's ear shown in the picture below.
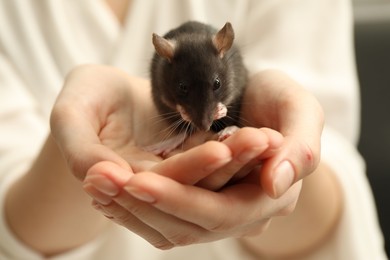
(164, 47)
(223, 40)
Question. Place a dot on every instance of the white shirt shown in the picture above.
(40, 41)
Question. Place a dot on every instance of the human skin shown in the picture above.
(128, 184)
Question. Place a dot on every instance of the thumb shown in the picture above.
(293, 162)
(81, 147)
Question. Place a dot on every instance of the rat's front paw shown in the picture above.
(227, 132)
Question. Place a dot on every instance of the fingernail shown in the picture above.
(140, 195)
(103, 184)
(283, 178)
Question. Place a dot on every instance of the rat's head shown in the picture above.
(195, 79)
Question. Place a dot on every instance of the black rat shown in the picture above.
(198, 78)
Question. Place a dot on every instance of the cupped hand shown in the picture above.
(212, 191)
(275, 100)
(102, 114)
(165, 207)
(97, 118)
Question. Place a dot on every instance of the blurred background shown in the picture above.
(372, 45)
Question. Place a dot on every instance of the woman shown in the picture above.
(200, 198)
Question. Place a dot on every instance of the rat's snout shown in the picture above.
(207, 120)
(202, 121)
(205, 125)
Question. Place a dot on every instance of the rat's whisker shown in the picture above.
(218, 124)
(187, 130)
(243, 122)
(173, 128)
(156, 120)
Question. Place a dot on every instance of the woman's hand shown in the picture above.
(167, 202)
(209, 192)
(274, 100)
(165, 207)
(100, 116)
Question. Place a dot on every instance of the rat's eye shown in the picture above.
(182, 88)
(217, 84)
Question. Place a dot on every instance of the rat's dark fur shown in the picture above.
(188, 78)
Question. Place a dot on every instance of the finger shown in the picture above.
(159, 228)
(123, 217)
(297, 115)
(81, 158)
(106, 169)
(102, 183)
(177, 218)
(249, 146)
(82, 149)
(193, 165)
(293, 162)
(216, 212)
(168, 228)
(83, 109)
(187, 214)
(195, 139)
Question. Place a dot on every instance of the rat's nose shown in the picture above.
(205, 125)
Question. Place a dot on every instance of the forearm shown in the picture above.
(314, 219)
(47, 208)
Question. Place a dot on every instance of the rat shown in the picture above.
(198, 78)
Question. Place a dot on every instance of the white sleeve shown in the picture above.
(22, 132)
(22, 127)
